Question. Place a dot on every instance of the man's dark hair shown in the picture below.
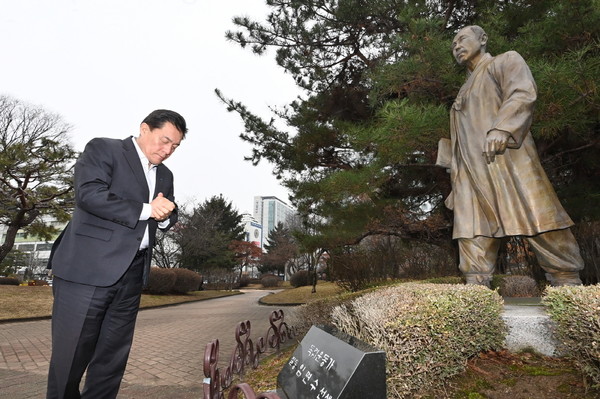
(159, 117)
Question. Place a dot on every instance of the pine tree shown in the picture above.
(205, 233)
(36, 171)
(281, 249)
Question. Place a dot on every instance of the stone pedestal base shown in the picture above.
(529, 327)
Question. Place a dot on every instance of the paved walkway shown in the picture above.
(166, 357)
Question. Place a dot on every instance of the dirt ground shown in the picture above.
(504, 375)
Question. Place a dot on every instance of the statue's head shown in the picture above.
(469, 45)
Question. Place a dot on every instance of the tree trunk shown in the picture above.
(11, 233)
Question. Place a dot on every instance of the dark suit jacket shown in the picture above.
(104, 235)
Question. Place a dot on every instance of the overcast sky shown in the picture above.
(103, 65)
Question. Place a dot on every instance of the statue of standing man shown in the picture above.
(499, 188)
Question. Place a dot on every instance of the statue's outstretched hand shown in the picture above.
(495, 143)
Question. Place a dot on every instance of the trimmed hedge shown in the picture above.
(269, 281)
(37, 283)
(164, 281)
(161, 281)
(9, 281)
(244, 280)
(300, 279)
(186, 280)
(428, 331)
(576, 311)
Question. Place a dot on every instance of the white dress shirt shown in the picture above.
(150, 173)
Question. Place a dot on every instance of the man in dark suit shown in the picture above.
(123, 193)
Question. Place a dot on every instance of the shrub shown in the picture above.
(516, 286)
(269, 281)
(356, 270)
(300, 279)
(9, 281)
(186, 280)
(576, 312)
(428, 331)
(34, 283)
(160, 281)
(244, 280)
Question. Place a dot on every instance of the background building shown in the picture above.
(252, 230)
(270, 211)
(35, 252)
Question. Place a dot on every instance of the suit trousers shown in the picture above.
(92, 327)
(556, 251)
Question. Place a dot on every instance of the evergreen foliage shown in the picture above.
(205, 233)
(13, 261)
(281, 248)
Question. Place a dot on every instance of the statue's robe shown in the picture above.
(512, 195)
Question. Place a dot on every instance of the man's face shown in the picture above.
(467, 47)
(158, 144)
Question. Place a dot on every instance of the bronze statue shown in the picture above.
(499, 187)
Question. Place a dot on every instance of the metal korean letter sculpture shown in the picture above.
(499, 187)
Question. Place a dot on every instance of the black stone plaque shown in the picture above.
(329, 364)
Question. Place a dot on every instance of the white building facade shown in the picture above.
(253, 231)
(269, 212)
